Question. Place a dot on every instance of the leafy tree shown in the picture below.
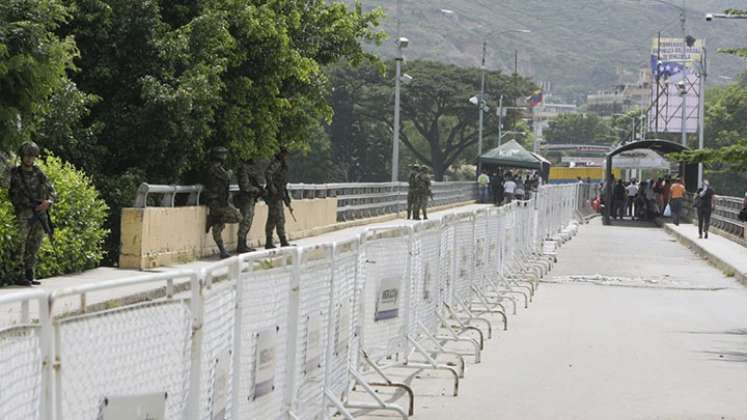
(33, 60)
(580, 128)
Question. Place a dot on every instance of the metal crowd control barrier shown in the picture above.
(303, 333)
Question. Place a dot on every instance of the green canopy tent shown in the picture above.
(510, 155)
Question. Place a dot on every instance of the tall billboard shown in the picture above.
(672, 61)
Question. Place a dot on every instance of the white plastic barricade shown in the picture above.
(426, 284)
(214, 341)
(25, 356)
(342, 342)
(385, 292)
(312, 329)
(266, 295)
(464, 267)
(136, 355)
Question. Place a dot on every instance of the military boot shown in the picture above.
(30, 277)
(223, 253)
(269, 244)
(243, 248)
(284, 242)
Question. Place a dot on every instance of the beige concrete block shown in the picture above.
(158, 236)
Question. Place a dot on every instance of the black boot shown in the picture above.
(269, 244)
(284, 242)
(223, 253)
(30, 277)
(243, 248)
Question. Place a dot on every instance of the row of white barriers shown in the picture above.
(286, 333)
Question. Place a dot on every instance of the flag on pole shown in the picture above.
(536, 99)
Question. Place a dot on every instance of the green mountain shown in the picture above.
(577, 45)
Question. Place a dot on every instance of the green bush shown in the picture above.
(78, 215)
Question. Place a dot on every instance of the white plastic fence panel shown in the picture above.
(265, 285)
(25, 348)
(447, 257)
(315, 289)
(135, 350)
(481, 249)
(342, 339)
(217, 361)
(464, 244)
(426, 290)
(386, 292)
(129, 351)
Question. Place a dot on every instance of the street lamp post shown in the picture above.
(481, 99)
(683, 93)
(401, 44)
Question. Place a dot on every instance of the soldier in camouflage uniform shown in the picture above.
(32, 195)
(411, 189)
(216, 194)
(276, 195)
(250, 189)
(423, 192)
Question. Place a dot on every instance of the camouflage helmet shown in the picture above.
(28, 148)
(219, 152)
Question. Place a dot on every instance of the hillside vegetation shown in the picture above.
(578, 45)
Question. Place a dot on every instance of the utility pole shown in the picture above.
(516, 62)
(500, 120)
(701, 108)
(480, 105)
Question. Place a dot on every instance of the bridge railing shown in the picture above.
(282, 333)
(725, 215)
(354, 200)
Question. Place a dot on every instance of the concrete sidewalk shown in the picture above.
(728, 256)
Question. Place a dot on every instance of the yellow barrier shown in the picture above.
(571, 174)
(158, 236)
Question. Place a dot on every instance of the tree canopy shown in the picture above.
(580, 128)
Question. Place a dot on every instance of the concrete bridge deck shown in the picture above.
(630, 325)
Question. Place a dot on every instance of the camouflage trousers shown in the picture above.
(219, 217)
(275, 220)
(247, 216)
(410, 200)
(30, 236)
(420, 205)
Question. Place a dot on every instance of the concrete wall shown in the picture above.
(158, 236)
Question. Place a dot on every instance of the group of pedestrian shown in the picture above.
(664, 197)
(418, 192)
(504, 187)
(251, 189)
(647, 199)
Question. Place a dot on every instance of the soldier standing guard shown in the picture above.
(423, 192)
(216, 193)
(411, 189)
(32, 195)
(276, 195)
(250, 189)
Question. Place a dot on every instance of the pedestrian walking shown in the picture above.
(632, 192)
(704, 203)
(483, 182)
(217, 185)
(677, 191)
(618, 199)
(32, 195)
(276, 196)
(509, 188)
(498, 191)
(250, 190)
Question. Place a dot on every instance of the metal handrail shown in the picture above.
(355, 200)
